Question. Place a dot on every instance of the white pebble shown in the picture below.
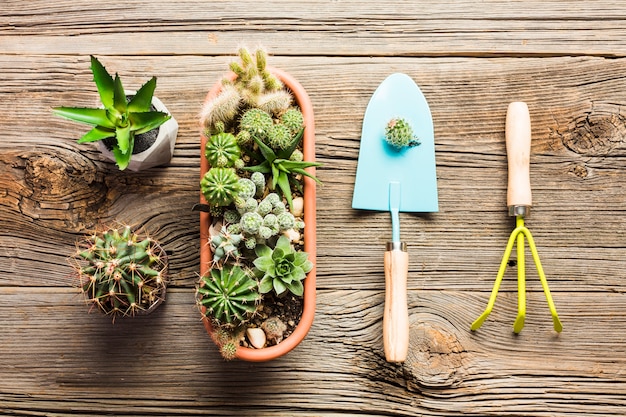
(256, 337)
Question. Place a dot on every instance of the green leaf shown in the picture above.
(96, 134)
(122, 159)
(275, 175)
(142, 100)
(119, 96)
(303, 172)
(307, 266)
(266, 285)
(94, 117)
(300, 258)
(297, 274)
(283, 184)
(296, 288)
(286, 153)
(283, 244)
(263, 251)
(103, 81)
(144, 122)
(279, 286)
(264, 263)
(267, 152)
(125, 140)
(263, 168)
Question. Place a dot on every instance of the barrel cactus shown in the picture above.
(229, 295)
(220, 186)
(121, 273)
(222, 150)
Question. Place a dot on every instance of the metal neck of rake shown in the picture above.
(517, 211)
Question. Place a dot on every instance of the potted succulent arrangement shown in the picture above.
(257, 285)
(121, 272)
(134, 129)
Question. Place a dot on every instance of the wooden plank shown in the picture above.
(383, 28)
(339, 368)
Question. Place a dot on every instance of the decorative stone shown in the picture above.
(256, 337)
(297, 207)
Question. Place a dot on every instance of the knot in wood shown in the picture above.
(595, 134)
(436, 358)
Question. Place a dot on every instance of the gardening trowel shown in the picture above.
(396, 179)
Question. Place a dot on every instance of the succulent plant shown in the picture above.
(278, 165)
(399, 134)
(247, 188)
(293, 119)
(282, 268)
(220, 186)
(120, 119)
(229, 295)
(222, 150)
(226, 244)
(259, 182)
(121, 272)
(279, 137)
(257, 123)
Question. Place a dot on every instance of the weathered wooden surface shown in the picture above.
(565, 59)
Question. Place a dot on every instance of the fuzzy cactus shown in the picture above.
(222, 150)
(124, 274)
(399, 134)
(221, 110)
(220, 186)
(229, 295)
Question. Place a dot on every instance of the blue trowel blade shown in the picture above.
(380, 164)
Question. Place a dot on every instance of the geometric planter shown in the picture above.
(308, 142)
(160, 152)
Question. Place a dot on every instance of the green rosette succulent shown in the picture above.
(229, 295)
(282, 268)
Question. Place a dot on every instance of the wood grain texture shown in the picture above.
(565, 59)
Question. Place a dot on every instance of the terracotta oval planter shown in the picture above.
(308, 313)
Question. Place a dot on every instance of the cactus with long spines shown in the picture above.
(121, 273)
(220, 186)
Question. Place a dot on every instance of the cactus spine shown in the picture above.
(124, 273)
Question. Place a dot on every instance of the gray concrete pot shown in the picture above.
(160, 152)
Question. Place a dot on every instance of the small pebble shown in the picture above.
(256, 337)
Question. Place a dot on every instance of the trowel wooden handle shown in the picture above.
(396, 315)
(518, 154)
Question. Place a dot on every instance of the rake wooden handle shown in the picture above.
(518, 135)
(396, 315)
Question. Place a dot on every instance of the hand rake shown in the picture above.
(519, 201)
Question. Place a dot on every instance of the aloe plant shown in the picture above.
(280, 167)
(120, 119)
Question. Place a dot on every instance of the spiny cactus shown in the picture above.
(225, 245)
(293, 119)
(399, 134)
(256, 122)
(221, 110)
(222, 150)
(220, 186)
(229, 295)
(124, 274)
(259, 182)
(279, 137)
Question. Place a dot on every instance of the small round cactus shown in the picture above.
(279, 137)
(121, 273)
(293, 119)
(247, 188)
(257, 122)
(251, 222)
(259, 182)
(220, 186)
(399, 134)
(229, 295)
(222, 150)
